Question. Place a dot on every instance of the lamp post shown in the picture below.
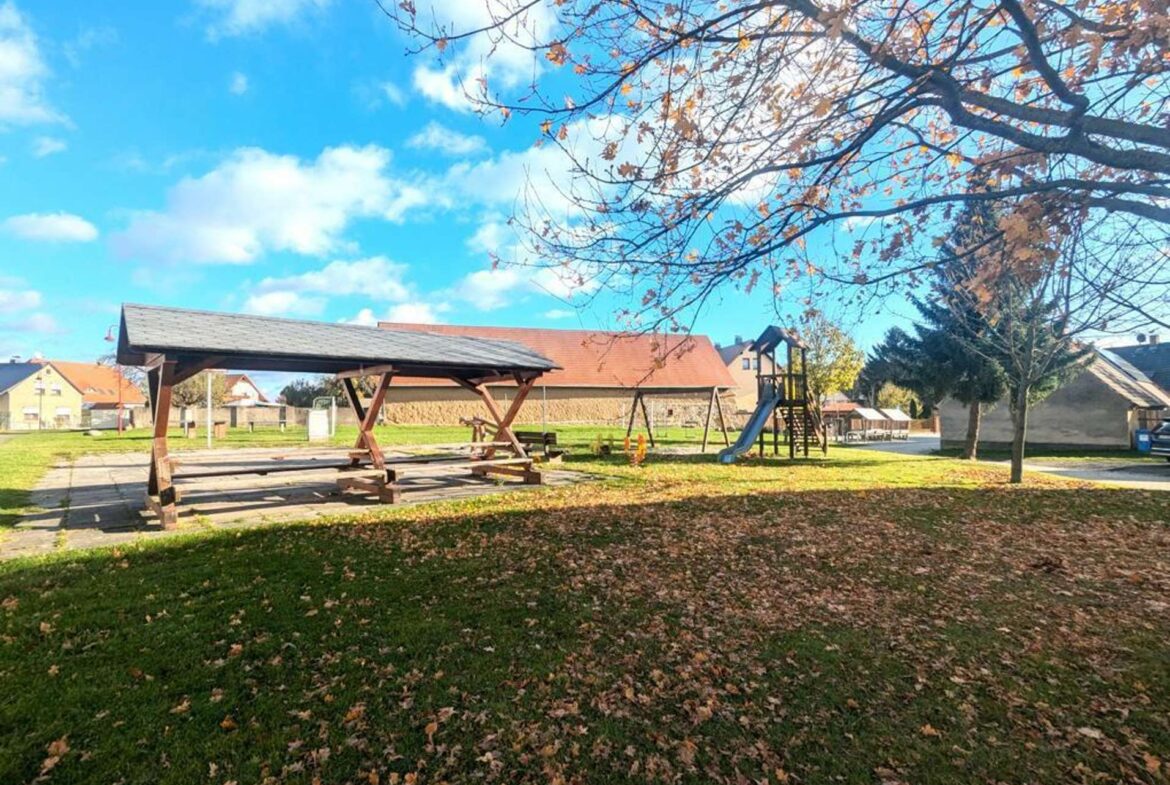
(117, 370)
(40, 388)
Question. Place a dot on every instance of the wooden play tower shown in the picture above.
(787, 382)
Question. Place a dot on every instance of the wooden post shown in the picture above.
(633, 413)
(365, 439)
(646, 416)
(503, 421)
(159, 483)
(707, 422)
(722, 422)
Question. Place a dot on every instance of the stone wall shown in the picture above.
(1084, 413)
(552, 405)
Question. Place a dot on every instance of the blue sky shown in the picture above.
(283, 157)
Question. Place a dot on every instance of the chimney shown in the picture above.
(739, 339)
(1153, 339)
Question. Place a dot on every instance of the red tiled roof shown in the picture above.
(839, 407)
(98, 384)
(594, 358)
(230, 380)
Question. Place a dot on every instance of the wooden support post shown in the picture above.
(722, 422)
(367, 420)
(159, 483)
(503, 421)
(707, 421)
(646, 416)
(633, 413)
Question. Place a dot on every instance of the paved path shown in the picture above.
(98, 500)
(1141, 473)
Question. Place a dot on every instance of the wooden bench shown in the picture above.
(543, 440)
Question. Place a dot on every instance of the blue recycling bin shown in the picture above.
(1142, 440)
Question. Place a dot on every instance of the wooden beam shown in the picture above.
(633, 413)
(373, 370)
(722, 422)
(707, 421)
(503, 421)
(184, 371)
(365, 439)
(355, 400)
(159, 482)
(646, 416)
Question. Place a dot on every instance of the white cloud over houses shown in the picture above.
(441, 139)
(18, 312)
(22, 73)
(51, 227)
(241, 17)
(377, 278)
(13, 300)
(44, 146)
(256, 201)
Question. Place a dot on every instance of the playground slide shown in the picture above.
(751, 431)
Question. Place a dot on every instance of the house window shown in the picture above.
(55, 389)
(756, 363)
(747, 363)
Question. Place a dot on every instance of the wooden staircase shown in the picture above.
(805, 420)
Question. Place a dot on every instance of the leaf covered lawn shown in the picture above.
(867, 618)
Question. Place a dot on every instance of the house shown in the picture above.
(1099, 409)
(35, 396)
(100, 399)
(1151, 358)
(239, 390)
(599, 374)
(742, 363)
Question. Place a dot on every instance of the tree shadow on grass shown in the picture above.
(813, 631)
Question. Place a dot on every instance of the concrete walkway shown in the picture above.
(1148, 474)
(99, 499)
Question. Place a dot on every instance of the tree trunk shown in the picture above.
(974, 418)
(1020, 423)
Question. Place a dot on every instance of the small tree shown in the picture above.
(193, 391)
(834, 361)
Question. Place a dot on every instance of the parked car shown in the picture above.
(1160, 440)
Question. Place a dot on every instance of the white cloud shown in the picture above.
(47, 145)
(412, 312)
(419, 313)
(393, 93)
(22, 73)
(12, 300)
(240, 17)
(489, 289)
(238, 84)
(257, 201)
(558, 313)
(39, 323)
(435, 136)
(377, 278)
(284, 303)
(503, 59)
(51, 227)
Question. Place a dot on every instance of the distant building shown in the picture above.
(1151, 358)
(600, 372)
(99, 390)
(1099, 409)
(741, 363)
(239, 390)
(36, 396)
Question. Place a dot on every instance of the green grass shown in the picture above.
(863, 618)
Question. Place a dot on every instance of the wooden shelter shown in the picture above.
(175, 344)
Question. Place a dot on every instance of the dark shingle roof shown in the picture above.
(1128, 381)
(265, 343)
(12, 374)
(1151, 359)
(729, 353)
